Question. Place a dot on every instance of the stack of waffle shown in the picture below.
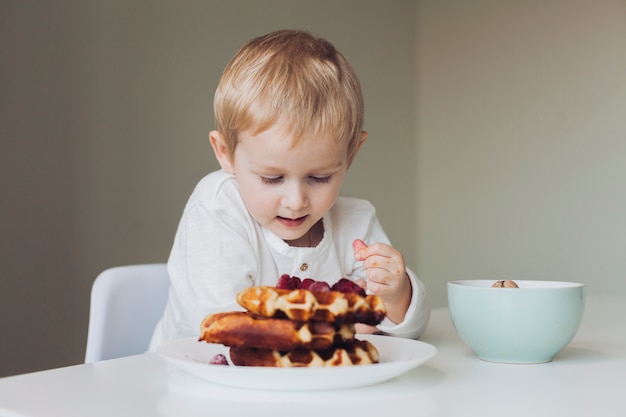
(292, 326)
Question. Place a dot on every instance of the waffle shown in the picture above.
(354, 352)
(293, 326)
(244, 329)
(305, 305)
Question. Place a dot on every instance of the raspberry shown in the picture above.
(283, 281)
(346, 286)
(287, 282)
(319, 286)
(306, 283)
(219, 359)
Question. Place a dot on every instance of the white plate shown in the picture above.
(397, 356)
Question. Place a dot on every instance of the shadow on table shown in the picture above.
(191, 396)
(571, 354)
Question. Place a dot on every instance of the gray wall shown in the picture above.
(497, 140)
(521, 133)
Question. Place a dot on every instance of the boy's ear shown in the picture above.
(363, 137)
(221, 151)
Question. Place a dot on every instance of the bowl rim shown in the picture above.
(524, 284)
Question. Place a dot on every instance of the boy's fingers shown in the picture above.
(361, 283)
(358, 244)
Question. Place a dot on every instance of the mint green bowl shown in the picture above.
(529, 324)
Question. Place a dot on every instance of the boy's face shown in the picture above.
(286, 188)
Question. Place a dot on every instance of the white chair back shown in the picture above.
(126, 304)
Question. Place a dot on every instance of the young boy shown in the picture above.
(289, 117)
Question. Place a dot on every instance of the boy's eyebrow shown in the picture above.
(320, 169)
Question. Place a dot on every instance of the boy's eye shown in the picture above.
(271, 180)
(280, 179)
(321, 180)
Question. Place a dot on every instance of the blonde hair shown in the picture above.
(291, 77)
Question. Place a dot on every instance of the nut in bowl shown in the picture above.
(529, 323)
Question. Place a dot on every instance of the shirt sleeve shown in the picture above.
(417, 315)
(209, 264)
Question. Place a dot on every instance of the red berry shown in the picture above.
(306, 283)
(319, 286)
(287, 282)
(219, 359)
(346, 286)
(283, 281)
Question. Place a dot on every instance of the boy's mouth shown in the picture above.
(291, 222)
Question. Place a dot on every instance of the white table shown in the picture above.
(588, 378)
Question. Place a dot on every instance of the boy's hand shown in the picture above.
(386, 276)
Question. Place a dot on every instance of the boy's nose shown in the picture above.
(295, 198)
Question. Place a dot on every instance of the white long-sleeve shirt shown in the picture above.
(219, 250)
